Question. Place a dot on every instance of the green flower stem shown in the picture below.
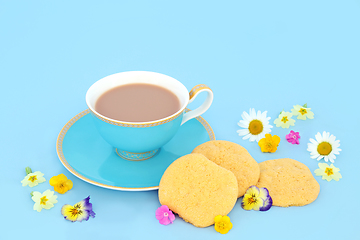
(28, 170)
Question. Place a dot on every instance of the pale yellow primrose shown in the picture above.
(284, 120)
(32, 179)
(45, 200)
(302, 112)
(328, 172)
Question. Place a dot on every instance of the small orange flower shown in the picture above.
(269, 143)
(61, 183)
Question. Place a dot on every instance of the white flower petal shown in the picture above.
(318, 137)
(310, 145)
(246, 136)
(252, 113)
(324, 135)
(243, 124)
(328, 136)
(263, 116)
(332, 138)
(258, 137)
(243, 132)
(246, 116)
(252, 138)
(312, 153)
(258, 115)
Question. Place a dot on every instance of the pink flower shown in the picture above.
(164, 215)
(293, 137)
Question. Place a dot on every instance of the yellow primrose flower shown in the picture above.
(33, 179)
(328, 172)
(284, 120)
(302, 112)
(61, 183)
(222, 224)
(269, 143)
(43, 200)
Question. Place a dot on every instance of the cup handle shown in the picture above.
(201, 109)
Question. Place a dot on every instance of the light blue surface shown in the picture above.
(267, 55)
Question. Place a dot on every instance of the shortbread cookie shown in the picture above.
(235, 158)
(290, 183)
(198, 190)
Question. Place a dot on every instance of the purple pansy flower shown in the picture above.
(267, 200)
(256, 199)
(80, 211)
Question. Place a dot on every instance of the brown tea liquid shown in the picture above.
(137, 102)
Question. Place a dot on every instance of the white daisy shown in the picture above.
(325, 146)
(255, 125)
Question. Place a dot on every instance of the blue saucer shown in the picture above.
(85, 154)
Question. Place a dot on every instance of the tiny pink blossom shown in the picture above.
(164, 215)
(293, 137)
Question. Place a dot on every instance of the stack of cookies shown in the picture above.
(208, 182)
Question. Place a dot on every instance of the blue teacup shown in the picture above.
(142, 140)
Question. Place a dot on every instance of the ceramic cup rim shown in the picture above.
(184, 99)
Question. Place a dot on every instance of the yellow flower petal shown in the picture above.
(222, 224)
(269, 143)
(218, 218)
(226, 219)
(61, 183)
(66, 211)
(276, 139)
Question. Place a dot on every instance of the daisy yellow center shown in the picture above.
(33, 178)
(324, 148)
(284, 119)
(329, 171)
(255, 127)
(43, 200)
(302, 111)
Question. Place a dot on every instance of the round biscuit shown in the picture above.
(290, 183)
(235, 158)
(197, 189)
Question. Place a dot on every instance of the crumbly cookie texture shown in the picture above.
(290, 183)
(198, 190)
(235, 158)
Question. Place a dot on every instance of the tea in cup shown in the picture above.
(138, 112)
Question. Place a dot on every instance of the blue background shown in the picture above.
(267, 55)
